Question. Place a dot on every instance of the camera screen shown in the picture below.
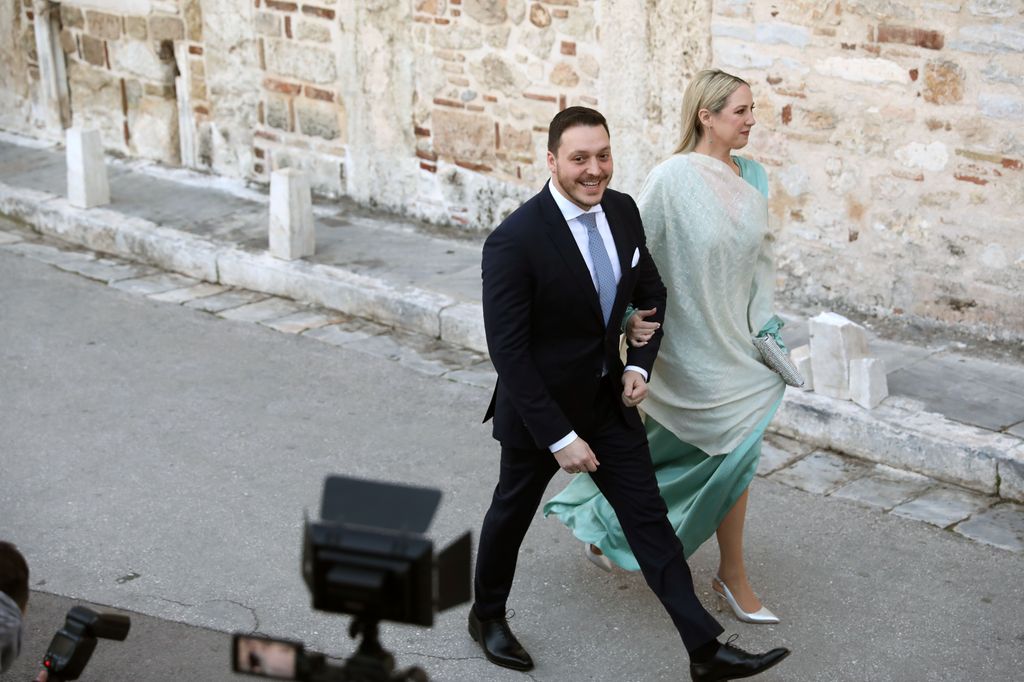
(266, 657)
(61, 646)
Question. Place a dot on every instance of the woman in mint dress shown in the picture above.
(711, 398)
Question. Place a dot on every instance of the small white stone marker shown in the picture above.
(801, 357)
(868, 385)
(292, 234)
(87, 172)
(835, 342)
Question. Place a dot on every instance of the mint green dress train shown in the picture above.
(698, 489)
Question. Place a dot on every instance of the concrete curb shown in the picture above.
(107, 231)
(897, 433)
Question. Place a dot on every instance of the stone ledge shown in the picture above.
(923, 442)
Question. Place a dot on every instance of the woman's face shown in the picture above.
(731, 126)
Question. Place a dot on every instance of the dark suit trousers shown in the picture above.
(626, 478)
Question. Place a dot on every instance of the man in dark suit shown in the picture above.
(557, 276)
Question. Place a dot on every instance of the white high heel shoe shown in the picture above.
(599, 560)
(761, 617)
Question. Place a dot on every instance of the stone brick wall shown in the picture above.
(893, 132)
(894, 138)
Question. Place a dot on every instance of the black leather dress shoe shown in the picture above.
(499, 644)
(733, 663)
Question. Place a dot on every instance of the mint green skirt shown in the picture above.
(699, 491)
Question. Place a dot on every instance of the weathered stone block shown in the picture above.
(319, 121)
(138, 59)
(291, 215)
(1002, 106)
(860, 70)
(943, 82)
(565, 76)
(97, 97)
(835, 341)
(166, 28)
(94, 50)
(71, 17)
(86, 168)
(135, 27)
(933, 156)
(279, 113)
(67, 41)
(512, 139)
(868, 385)
(499, 75)
(304, 62)
(539, 15)
(154, 129)
(193, 20)
(103, 25)
(313, 31)
(268, 24)
(462, 136)
(489, 12)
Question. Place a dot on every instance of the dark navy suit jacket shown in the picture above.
(545, 332)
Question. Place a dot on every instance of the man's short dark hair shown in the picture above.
(13, 574)
(570, 118)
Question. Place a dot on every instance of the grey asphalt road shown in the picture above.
(157, 459)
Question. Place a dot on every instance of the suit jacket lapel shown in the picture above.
(561, 235)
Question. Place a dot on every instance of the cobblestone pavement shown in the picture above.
(981, 518)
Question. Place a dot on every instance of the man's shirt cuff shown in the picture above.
(641, 370)
(555, 447)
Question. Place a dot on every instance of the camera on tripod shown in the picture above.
(366, 557)
(72, 646)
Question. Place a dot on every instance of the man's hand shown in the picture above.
(634, 388)
(577, 457)
(639, 331)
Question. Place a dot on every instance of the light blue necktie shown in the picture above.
(606, 284)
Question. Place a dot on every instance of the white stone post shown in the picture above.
(835, 342)
(292, 234)
(868, 385)
(87, 172)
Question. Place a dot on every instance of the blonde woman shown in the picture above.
(710, 400)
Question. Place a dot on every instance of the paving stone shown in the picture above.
(885, 487)
(48, 254)
(820, 472)
(778, 452)
(300, 321)
(196, 291)
(107, 270)
(267, 309)
(391, 347)
(346, 332)
(943, 507)
(154, 284)
(9, 238)
(1001, 526)
(1017, 430)
(481, 374)
(228, 299)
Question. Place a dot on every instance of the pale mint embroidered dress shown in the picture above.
(710, 398)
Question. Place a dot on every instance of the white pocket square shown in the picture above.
(636, 257)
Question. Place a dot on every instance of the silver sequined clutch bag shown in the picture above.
(778, 360)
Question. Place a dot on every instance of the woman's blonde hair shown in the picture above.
(709, 90)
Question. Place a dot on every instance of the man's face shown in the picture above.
(582, 168)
